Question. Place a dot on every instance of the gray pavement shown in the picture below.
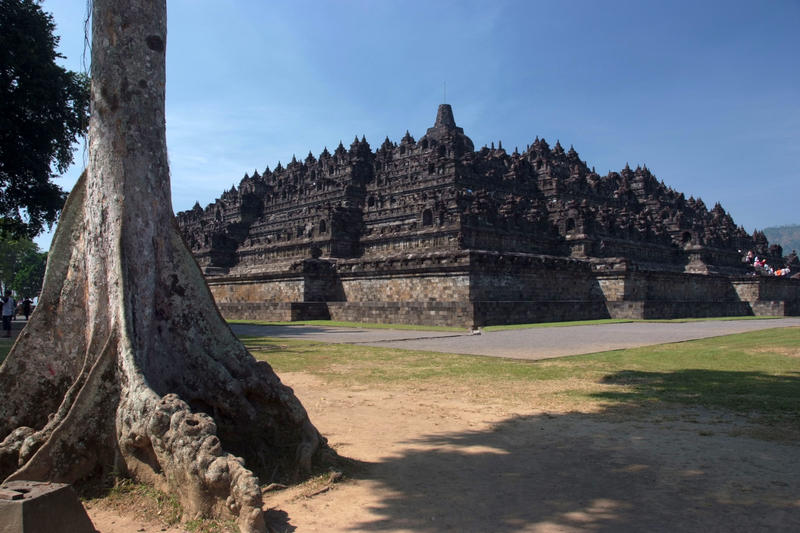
(531, 343)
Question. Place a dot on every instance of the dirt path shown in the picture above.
(439, 463)
(433, 460)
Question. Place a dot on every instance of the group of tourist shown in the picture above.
(760, 266)
(10, 308)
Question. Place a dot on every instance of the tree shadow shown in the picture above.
(278, 521)
(276, 330)
(511, 479)
(625, 468)
(743, 392)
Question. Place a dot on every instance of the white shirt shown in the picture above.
(8, 307)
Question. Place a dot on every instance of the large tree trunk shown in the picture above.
(126, 365)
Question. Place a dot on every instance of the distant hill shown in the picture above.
(787, 236)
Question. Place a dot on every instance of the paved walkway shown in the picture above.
(531, 343)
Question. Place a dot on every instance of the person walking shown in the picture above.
(8, 307)
(27, 305)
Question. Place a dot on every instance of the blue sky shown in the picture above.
(706, 94)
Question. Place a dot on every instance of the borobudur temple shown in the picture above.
(433, 232)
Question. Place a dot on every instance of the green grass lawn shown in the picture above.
(621, 321)
(756, 372)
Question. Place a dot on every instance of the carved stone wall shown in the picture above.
(439, 194)
(258, 289)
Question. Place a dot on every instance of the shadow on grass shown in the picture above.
(740, 391)
(259, 344)
(276, 330)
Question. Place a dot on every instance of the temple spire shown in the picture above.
(444, 117)
(445, 129)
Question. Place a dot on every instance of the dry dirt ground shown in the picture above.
(436, 459)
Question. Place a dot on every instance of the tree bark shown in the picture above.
(126, 365)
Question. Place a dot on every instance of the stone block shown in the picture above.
(41, 507)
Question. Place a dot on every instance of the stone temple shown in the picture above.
(432, 232)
